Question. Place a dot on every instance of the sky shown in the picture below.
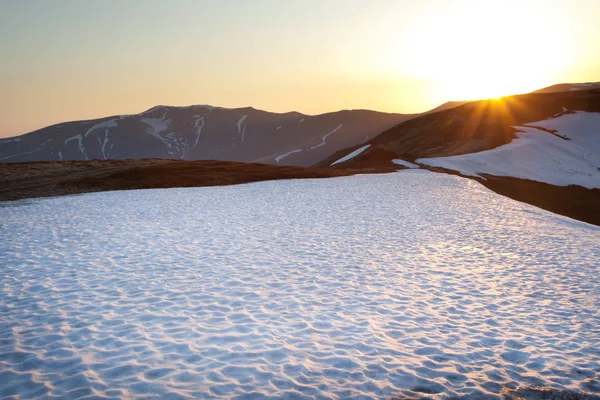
(64, 60)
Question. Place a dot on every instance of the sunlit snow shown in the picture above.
(380, 285)
(570, 156)
(351, 155)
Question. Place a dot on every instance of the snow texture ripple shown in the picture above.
(403, 284)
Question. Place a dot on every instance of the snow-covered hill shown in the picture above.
(563, 150)
(297, 289)
(200, 133)
(473, 127)
(541, 148)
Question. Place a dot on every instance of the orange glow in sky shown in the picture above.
(67, 59)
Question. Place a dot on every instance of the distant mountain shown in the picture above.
(200, 133)
(569, 87)
(542, 148)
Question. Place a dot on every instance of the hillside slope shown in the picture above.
(541, 148)
(53, 178)
(472, 127)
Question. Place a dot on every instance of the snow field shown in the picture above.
(377, 286)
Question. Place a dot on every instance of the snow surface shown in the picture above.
(387, 286)
(406, 164)
(539, 155)
(351, 155)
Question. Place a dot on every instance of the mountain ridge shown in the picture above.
(204, 132)
(200, 132)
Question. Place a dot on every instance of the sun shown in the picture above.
(485, 49)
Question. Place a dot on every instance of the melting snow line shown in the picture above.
(241, 129)
(558, 114)
(27, 152)
(157, 126)
(17, 139)
(105, 142)
(106, 124)
(351, 155)
(281, 157)
(324, 138)
(81, 147)
(199, 123)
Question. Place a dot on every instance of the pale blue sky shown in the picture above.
(76, 59)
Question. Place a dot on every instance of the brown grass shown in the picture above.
(58, 178)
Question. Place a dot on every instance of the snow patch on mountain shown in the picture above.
(34, 150)
(112, 123)
(406, 164)
(281, 157)
(351, 155)
(324, 138)
(198, 124)
(564, 110)
(156, 125)
(177, 130)
(104, 143)
(11, 140)
(79, 138)
(241, 126)
(569, 155)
